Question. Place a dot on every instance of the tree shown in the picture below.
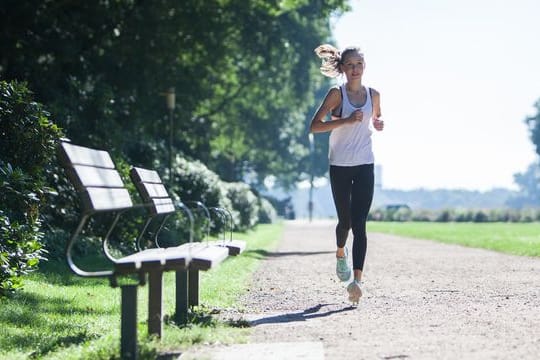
(534, 127)
(243, 71)
(529, 186)
(529, 181)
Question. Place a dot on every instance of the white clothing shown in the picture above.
(350, 144)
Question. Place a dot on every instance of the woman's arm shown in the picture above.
(331, 102)
(376, 99)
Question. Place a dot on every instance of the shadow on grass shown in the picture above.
(45, 322)
(261, 254)
(200, 316)
(57, 272)
(51, 344)
(310, 313)
(28, 309)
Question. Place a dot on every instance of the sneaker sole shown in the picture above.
(342, 277)
(355, 293)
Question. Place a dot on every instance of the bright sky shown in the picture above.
(457, 79)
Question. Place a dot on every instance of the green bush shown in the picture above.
(245, 203)
(27, 145)
(456, 215)
(267, 212)
(445, 215)
(20, 247)
(27, 136)
(423, 215)
(402, 214)
(193, 181)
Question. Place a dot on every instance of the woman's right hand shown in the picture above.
(356, 116)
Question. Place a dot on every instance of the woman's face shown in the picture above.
(353, 66)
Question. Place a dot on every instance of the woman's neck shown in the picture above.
(354, 86)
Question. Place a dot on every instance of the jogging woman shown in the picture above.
(353, 107)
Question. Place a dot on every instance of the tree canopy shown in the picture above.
(244, 73)
(529, 181)
(534, 127)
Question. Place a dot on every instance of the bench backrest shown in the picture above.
(95, 178)
(152, 190)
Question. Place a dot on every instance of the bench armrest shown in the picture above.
(200, 205)
(179, 208)
(69, 258)
(82, 223)
(227, 214)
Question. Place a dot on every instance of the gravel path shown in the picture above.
(422, 300)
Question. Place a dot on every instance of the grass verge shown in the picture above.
(511, 238)
(62, 316)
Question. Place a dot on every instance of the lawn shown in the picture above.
(511, 238)
(59, 315)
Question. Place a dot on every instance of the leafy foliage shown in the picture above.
(534, 127)
(267, 213)
(244, 73)
(193, 182)
(27, 144)
(245, 203)
(529, 184)
(529, 181)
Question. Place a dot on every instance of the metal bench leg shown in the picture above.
(181, 297)
(128, 340)
(193, 287)
(155, 303)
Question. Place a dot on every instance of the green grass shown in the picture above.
(59, 315)
(511, 238)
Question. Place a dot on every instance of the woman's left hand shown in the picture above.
(378, 124)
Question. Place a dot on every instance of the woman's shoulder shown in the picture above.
(335, 90)
(373, 92)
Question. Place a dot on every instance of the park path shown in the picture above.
(422, 300)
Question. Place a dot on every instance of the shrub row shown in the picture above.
(28, 204)
(194, 181)
(27, 143)
(455, 215)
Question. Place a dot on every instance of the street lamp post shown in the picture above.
(170, 98)
(312, 158)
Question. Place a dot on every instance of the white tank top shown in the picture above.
(350, 144)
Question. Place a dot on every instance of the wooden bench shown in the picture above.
(152, 190)
(236, 247)
(101, 191)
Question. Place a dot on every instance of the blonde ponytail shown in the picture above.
(331, 59)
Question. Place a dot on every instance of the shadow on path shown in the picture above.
(259, 254)
(310, 313)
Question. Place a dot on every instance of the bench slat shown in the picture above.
(98, 199)
(154, 190)
(174, 258)
(145, 175)
(164, 209)
(96, 177)
(236, 247)
(162, 206)
(80, 155)
(207, 257)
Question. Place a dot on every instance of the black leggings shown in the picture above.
(352, 188)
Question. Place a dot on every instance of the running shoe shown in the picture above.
(343, 271)
(354, 292)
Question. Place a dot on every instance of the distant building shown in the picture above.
(378, 177)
